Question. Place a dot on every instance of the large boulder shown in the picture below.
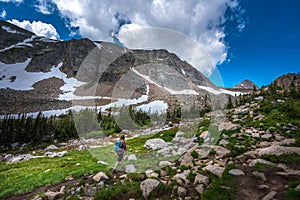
(148, 185)
(228, 126)
(218, 171)
(156, 143)
(100, 176)
(279, 150)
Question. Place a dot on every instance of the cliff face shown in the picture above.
(29, 64)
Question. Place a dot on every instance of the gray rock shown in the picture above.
(20, 158)
(221, 151)
(90, 191)
(165, 163)
(287, 141)
(100, 176)
(199, 188)
(55, 154)
(254, 162)
(236, 172)
(266, 136)
(262, 187)
(279, 150)
(269, 196)
(55, 195)
(228, 126)
(132, 157)
(218, 171)
(13, 145)
(199, 178)
(260, 175)
(181, 191)
(51, 147)
(182, 177)
(156, 143)
(130, 169)
(224, 143)
(186, 159)
(148, 185)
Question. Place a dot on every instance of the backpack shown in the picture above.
(118, 146)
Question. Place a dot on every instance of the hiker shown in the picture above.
(120, 148)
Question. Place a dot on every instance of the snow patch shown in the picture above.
(26, 42)
(185, 91)
(24, 80)
(183, 71)
(8, 29)
(157, 106)
(98, 45)
(147, 78)
(219, 91)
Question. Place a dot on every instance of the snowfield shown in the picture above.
(220, 91)
(157, 106)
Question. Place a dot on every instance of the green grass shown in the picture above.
(131, 190)
(282, 158)
(26, 175)
(291, 193)
(221, 188)
(262, 166)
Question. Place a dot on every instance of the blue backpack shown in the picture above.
(118, 146)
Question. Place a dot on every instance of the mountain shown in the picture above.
(245, 85)
(287, 81)
(40, 74)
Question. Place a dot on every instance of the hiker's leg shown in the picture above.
(116, 165)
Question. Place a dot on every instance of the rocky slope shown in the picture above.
(253, 157)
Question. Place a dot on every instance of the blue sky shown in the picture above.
(247, 39)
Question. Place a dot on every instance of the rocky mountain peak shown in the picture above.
(288, 80)
(245, 85)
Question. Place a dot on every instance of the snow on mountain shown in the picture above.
(157, 106)
(14, 76)
(219, 91)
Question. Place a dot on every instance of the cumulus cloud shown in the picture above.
(44, 6)
(202, 20)
(37, 27)
(3, 14)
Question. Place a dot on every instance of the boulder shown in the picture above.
(165, 163)
(19, 158)
(199, 188)
(199, 178)
(182, 177)
(186, 159)
(100, 176)
(181, 191)
(55, 154)
(236, 172)
(156, 143)
(130, 169)
(279, 150)
(266, 136)
(218, 171)
(55, 195)
(254, 162)
(224, 143)
(221, 151)
(51, 147)
(260, 175)
(148, 185)
(270, 196)
(132, 157)
(228, 126)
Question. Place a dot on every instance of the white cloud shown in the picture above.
(201, 20)
(13, 1)
(3, 13)
(44, 7)
(37, 27)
